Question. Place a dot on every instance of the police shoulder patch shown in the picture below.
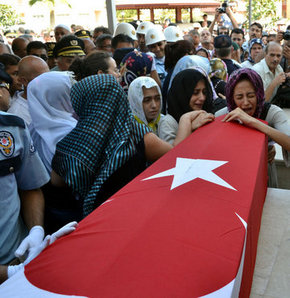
(7, 144)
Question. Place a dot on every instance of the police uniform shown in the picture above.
(20, 167)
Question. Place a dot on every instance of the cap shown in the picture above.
(127, 29)
(69, 45)
(4, 76)
(50, 46)
(154, 35)
(83, 34)
(222, 41)
(144, 27)
(172, 34)
(196, 25)
(235, 46)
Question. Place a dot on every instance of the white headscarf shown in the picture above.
(135, 97)
(51, 112)
(189, 61)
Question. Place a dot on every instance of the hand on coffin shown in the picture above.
(49, 239)
(240, 116)
(201, 119)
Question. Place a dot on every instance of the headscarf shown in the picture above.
(218, 69)
(135, 64)
(182, 89)
(135, 97)
(251, 75)
(105, 137)
(189, 61)
(51, 112)
(252, 42)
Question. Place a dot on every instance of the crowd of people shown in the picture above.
(83, 115)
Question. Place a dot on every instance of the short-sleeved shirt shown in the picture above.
(267, 75)
(20, 168)
(160, 68)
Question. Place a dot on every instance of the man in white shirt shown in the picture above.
(270, 70)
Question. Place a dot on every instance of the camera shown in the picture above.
(223, 8)
(286, 35)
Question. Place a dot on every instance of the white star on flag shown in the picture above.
(188, 169)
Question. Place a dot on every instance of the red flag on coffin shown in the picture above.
(177, 230)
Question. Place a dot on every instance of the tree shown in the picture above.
(8, 16)
(265, 11)
(51, 4)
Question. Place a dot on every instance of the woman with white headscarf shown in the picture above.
(52, 119)
(145, 100)
(51, 112)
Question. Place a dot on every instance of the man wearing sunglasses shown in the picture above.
(37, 48)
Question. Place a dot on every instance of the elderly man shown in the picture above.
(29, 68)
(60, 31)
(206, 41)
(270, 70)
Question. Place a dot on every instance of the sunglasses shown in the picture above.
(5, 85)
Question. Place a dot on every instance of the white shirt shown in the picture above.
(247, 64)
(19, 107)
(267, 75)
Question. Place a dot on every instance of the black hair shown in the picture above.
(258, 25)
(9, 59)
(35, 45)
(102, 38)
(223, 52)
(90, 65)
(175, 51)
(223, 27)
(238, 31)
(121, 38)
(103, 29)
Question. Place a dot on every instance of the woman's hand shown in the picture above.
(201, 119)
(240, 116)
(271, 153)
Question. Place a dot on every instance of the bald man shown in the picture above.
(19, 45)
(29, 68)
(4, 49)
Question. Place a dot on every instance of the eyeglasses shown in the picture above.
(4, 85)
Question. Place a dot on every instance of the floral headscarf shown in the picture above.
(218, 69)
(135, 97)
(248, 74)
(135, 64)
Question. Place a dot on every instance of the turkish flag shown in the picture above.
(186, 227)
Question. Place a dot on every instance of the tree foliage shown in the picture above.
(265, 11)
(8, 16)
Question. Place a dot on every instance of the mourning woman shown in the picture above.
(190, 92)
(246, 103)
(108, 147)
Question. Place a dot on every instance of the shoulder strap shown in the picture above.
(11, 120)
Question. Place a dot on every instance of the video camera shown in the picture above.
(286, 35)
(223, 8)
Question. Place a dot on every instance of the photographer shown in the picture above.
(285, 61)
(225, 9)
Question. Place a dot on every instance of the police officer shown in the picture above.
(22, 173)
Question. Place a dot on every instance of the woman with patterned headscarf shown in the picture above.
(108, 147)
(255, 53)
(136, 64)
(246, 104)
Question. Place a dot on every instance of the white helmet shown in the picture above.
(172, 34)
(127, 29)
(154, 35)
(144, 27)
